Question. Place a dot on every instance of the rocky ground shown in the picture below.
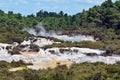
(31, 51)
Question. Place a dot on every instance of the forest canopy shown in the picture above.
(107, 15)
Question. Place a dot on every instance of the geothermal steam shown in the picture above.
(39, 30)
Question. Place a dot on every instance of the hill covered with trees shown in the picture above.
(106, 15)
(101, 21)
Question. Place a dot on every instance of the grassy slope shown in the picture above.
(84, 71)
(8, 35)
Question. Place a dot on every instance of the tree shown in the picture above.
(61, 13)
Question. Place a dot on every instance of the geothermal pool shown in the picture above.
(74, 38)
(50, 57)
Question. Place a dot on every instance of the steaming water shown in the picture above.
(40, 31)
(76, 38)
(71, 54)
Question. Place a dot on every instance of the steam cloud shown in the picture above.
(39, 30)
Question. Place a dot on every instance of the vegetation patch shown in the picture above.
(95, 71)
(8, 35)
(84, 44)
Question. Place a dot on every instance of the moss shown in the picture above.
(113, 45)
(34, 47)
(15, 50)
(84, 44)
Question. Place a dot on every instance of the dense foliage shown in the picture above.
(10, 35)
(101, 21)
(84, 71)
(106, 15)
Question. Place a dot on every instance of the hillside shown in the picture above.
(58, 46)
(107, 15)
